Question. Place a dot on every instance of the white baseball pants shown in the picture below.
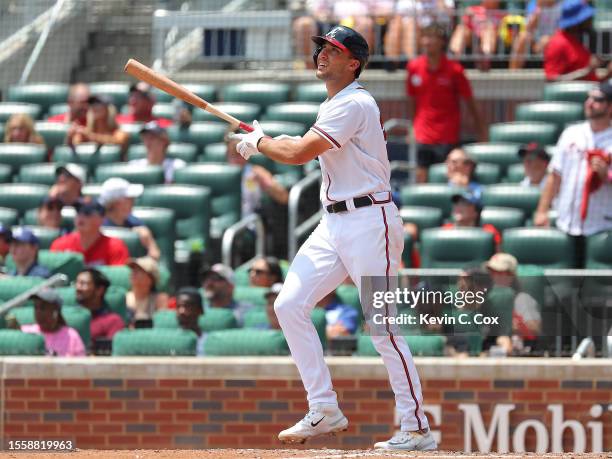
(367, 241)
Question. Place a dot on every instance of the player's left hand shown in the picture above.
(248, 142)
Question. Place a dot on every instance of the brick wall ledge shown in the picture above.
(283, 368)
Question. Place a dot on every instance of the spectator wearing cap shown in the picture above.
(218, 286)
(156, 141)
(188, 311)
(565, 56)
(143, 299)
(97, 248)
(69, 181)
(140, 103)
(535, 162)
(49, 213)
(271, 296)
(460, 170)
(341, 319)
(60, 339)
(78, 104)
(20, 129)
(24, 252)
(5, 242)
(580, 174)
(117, 197)
(101, 127)
(466, 214)
(526, 317)
(435, 86)
(265, 272)
(90, 287)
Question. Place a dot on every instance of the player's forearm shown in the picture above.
(548, 193)
(284, 151)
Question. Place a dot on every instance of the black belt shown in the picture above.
(361, 201)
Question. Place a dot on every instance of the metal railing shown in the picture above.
(295, 195)
(57, 280)
(249, 222)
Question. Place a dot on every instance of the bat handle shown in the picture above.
(246, 127)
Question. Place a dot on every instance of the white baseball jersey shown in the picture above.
(570, 162)
(356, 163)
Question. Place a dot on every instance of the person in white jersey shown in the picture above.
(359, 235)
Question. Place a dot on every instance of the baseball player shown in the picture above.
(360, 234)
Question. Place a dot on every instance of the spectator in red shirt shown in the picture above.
(78, 104)
(565, 57)
(140, 104)
(90, 288)
(437, 84)
(466, 214)
(87, 239)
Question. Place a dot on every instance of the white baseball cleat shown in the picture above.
(319, 421)
(409, 441)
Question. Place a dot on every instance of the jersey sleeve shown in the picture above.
(338, 123)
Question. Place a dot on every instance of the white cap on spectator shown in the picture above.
(116, 188)
(74, 170)
(220, 269)
(502, 262)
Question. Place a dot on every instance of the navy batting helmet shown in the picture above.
(346, 39)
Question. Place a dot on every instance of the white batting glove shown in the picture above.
(247, 146)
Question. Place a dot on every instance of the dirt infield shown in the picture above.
(276, 453)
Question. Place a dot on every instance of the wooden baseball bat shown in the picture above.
(148, 75)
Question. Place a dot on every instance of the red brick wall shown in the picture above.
(209, 413)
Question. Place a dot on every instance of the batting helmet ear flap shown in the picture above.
(316, 54)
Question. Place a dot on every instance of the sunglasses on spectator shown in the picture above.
(598, 99)
(257, 272)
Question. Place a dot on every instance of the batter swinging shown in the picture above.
(359, 235)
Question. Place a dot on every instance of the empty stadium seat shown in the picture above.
(297, 112)
(599, 251)
(161, 222)
(516, 173)
(22, 196)
(199, 134)
(430, 195)
(12, 286)
(556, 112)
(89, 155)
(164, 110)
(217, 319)
(568, 91)
(68, 263)
(455, 247)
(422, 216)
(133, 130)
(129, 237)
(185, 151)
(524, 132)
(7, 109)
(502, 154)
(161, 342)
(15, 342)
(214, 153)
(43, 94)
(206, 91)
(311, 92)
(420, 345)
(8, 217)
(6, 173)
(242, 111)
(16, 155)
(165, 318)
(117, 91)
(133, 173)
(512, 195)
(502, 217)
(54, 134)
(246, 342)
(485, 173)
(260, 93)
(276, 128)
(41, 173)
(251, 295)
(546, 247)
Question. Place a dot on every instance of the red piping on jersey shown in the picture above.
(371, 196)
(327, 190)
(391, 337)
(329, 137)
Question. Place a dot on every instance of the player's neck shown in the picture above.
(599, 124)
(335, 86)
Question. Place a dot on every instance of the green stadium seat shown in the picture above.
(245, 342)
(199, 134)
(133, 130)
(556, 112)
(502, 154)
(92, 190)
(133, 173)
(115, 298)
(260, 93)
(191, 205)
(76, 317)
(12, 286)
(162, 97)
(43, 94)
(129, 237)
(224, 182)
(485, 173)
(30, 217)
(407, 252)
(57, 109)
(16, 155)
(165, 318)
(8, 217)
(89, 155)
(516, 173)
(422, 216)
(297, 112)
(570, 91)
(117, 91)
(256, 318)
(54, 134)
(15, 342)
(155, 341)
(545, 247)
(214, 153)
(456, 247)
(208, 92)
(6, 173)
(244, 112)
(512, 195)
(41, 173)
(524, 132)
(119, 276)
(349, 294)
(599, 251)
(500, 303)
(22, 196)
(68, 263)
(502, 217)
(185, 151)
(420, 345)
(8, 109)
(161, 222)
(430, 195)
(251, 295)
(311, 92)
(164, 110)
(217, 319)
(276, 128)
